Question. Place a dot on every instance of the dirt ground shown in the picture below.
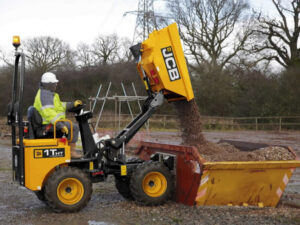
(20, 206)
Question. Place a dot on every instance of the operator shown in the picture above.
(51, 109)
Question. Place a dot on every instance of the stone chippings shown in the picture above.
(191, 133)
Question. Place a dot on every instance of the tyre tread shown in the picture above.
(54, 180)
(137, 179)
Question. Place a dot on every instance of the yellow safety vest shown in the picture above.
(52, 111)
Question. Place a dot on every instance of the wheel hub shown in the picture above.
(151, 183)
(154, 184)
(70, 191)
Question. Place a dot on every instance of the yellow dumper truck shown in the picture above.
(41, 160)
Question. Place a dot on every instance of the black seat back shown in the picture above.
(36, 128)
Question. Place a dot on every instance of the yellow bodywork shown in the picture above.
(41, 157)
(164, 64)
(244, 183)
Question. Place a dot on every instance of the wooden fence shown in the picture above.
(170, 122)
(166, 122)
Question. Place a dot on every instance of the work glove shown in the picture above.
(77, 103)
(65, 130)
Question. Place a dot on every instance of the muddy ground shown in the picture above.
(20, 206)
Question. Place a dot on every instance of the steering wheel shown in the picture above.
(77, 109)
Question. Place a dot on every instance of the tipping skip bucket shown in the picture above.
(199, 182)
(164, 64)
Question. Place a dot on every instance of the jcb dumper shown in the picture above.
(41, 158)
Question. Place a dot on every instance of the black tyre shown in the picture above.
(151, 183)
(134, 160)
(123, 182)
(123, 187)
(41, 196)
(68, 189)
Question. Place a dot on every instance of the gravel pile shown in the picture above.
(191, 133)
(227, 152)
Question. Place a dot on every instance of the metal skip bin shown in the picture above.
(244, 183)
(198, 182)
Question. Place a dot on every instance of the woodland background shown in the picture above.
(241, 62)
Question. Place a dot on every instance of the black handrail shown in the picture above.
(15, 117)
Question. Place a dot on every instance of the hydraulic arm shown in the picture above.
(151, 104)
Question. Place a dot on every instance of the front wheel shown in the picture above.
(68, 189)
(151, 183)
(41, 195)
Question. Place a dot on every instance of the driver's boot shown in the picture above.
(74, 153)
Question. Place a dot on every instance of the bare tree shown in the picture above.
(105, 49)
(46, 53)
(84, 56)
(6, 59)
(214, 31)
(124, 53)
(281, 34)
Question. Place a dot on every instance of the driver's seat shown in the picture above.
(36, 128)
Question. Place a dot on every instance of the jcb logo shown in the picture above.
(49, 153)
(170, 63)
(38, 154)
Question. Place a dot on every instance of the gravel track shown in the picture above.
(20, 206)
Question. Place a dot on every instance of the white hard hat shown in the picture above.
(49, 78)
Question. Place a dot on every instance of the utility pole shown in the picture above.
(145, 20)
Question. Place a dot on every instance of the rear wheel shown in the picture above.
(68, 189)
(151, 183)
(123, 182)
(123, 186)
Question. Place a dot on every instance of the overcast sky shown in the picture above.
(73, 21)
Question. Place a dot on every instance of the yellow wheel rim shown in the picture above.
(154, 184)
(70, 191)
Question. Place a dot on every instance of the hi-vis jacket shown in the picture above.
(48, 104)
